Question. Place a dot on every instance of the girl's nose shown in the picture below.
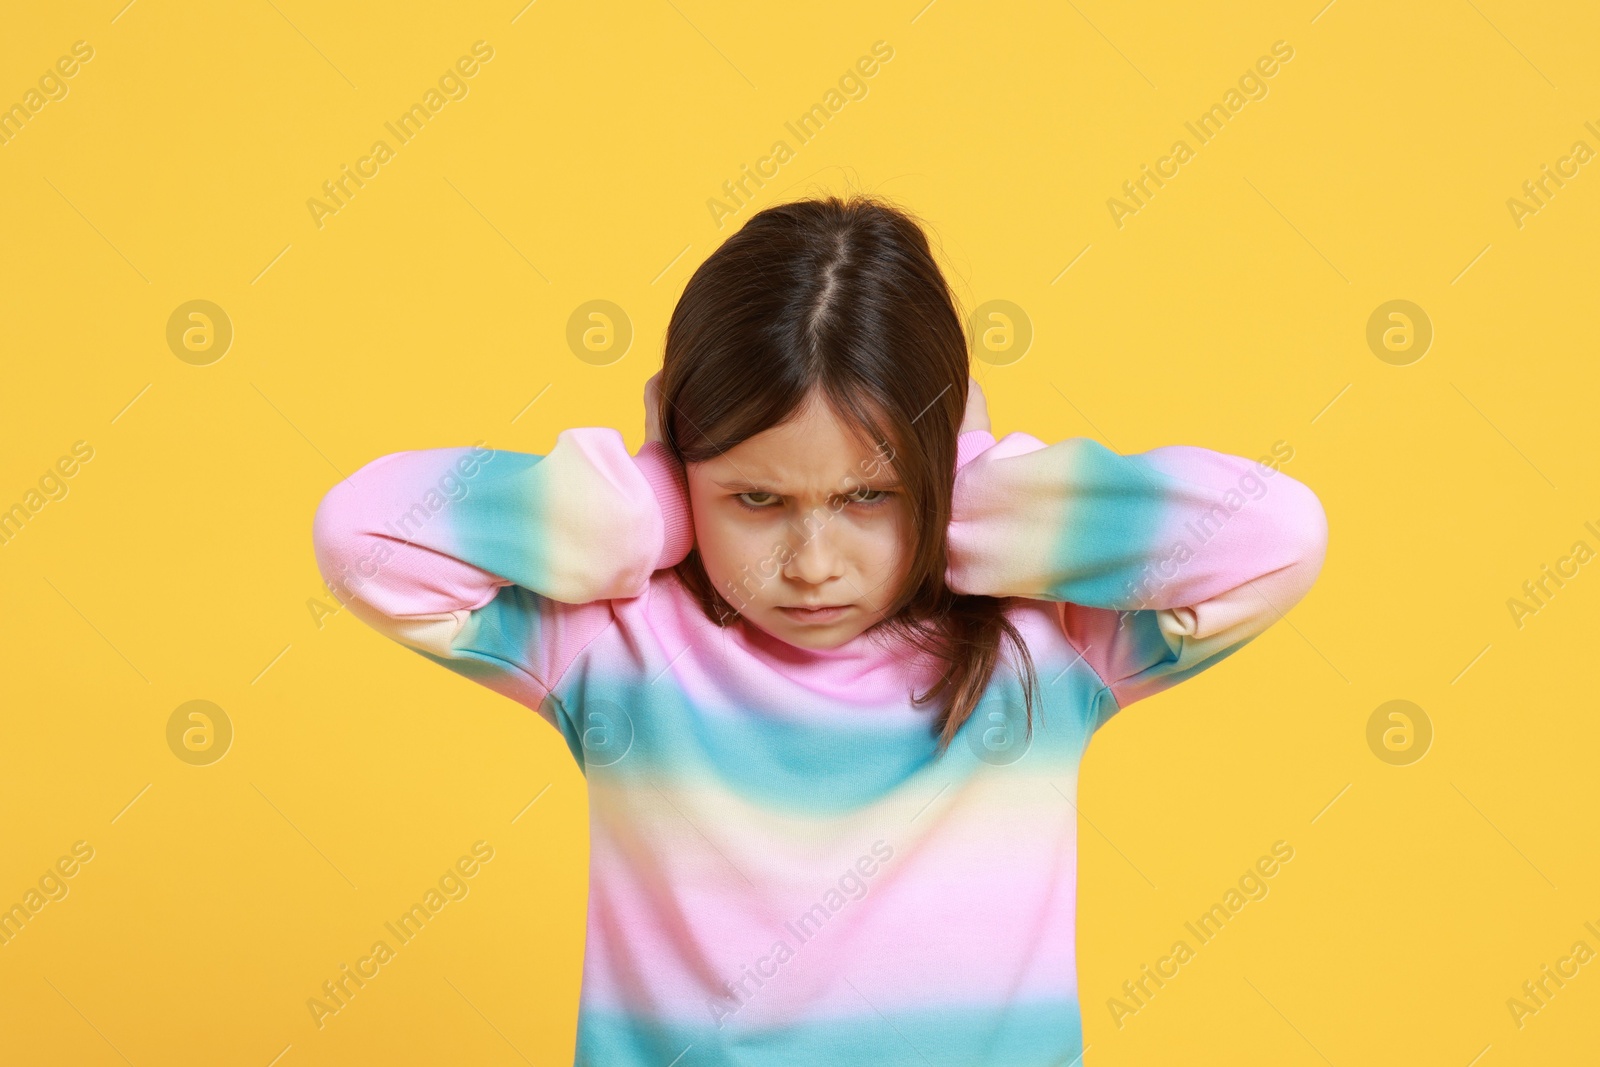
(814, 556)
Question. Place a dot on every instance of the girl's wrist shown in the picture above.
(970, 443)
(668, 482)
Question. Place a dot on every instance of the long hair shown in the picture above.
(845, 297)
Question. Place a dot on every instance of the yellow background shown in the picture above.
(1230, 312)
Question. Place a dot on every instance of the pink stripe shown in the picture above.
(671, 918)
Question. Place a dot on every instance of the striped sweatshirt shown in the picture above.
(784, 870)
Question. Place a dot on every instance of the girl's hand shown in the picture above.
(652, 408)
(977, 413)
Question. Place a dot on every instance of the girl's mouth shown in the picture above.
(817, 615)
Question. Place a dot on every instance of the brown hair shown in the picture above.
(843, 297)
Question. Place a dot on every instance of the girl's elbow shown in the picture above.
(1312, 529)
(1304, 536)
(334, 529)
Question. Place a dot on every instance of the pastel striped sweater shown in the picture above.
(783, 870)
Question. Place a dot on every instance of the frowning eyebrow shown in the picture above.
(751, 487)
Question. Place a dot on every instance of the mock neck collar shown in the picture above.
(874, 651)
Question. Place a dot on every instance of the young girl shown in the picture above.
(827, 653)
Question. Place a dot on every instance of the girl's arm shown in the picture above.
(1164, 562)
(498, 564)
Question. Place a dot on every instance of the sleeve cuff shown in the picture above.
(668, 482)
(970, 444)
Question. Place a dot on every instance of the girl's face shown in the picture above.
(800, 517)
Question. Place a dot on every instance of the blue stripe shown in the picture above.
(631, 729)
(1039, 1034)
(1117, 510)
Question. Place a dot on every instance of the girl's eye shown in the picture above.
(866, 498)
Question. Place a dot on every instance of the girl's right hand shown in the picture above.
(652, 408)
(976, 416)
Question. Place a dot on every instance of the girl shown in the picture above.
(827, 653)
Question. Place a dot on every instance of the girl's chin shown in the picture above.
(815, 636)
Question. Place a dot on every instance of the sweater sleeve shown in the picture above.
(1163, 563)
(500, 565)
